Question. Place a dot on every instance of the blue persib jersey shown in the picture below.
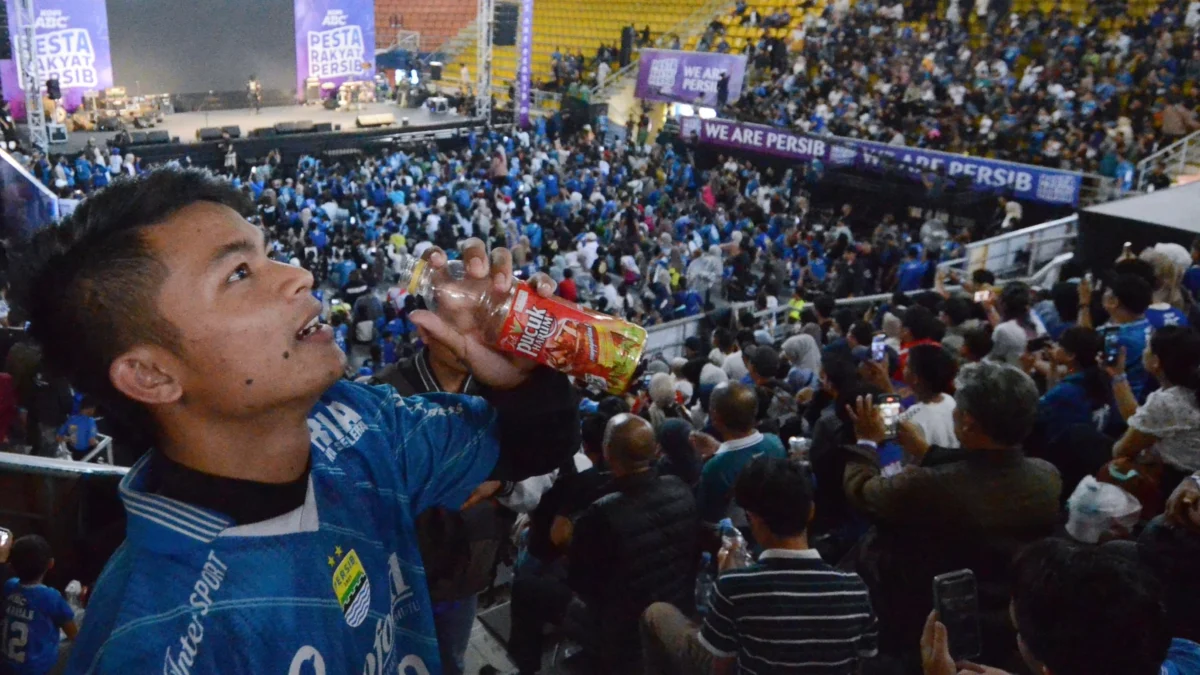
(32, 616)
(336, 586)
(1133, 337)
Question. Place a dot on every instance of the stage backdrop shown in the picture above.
(334, 38)
(687, 77)
(72, 44)
(197, 46)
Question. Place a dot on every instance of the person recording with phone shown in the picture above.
(1125, 299)
(1065, 626)
(970, 510)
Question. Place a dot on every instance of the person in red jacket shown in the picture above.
(567, 289)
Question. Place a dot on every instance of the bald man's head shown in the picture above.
(734, 406)
(629, 443)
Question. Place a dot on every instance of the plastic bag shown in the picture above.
(1096, 509)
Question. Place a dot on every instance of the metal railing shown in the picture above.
(999, 254)
(1174, 157)
(1047, 244)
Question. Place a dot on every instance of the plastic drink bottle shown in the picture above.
(600, 350)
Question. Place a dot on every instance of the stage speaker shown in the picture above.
(57, 133)
(378, 120)
(323, 127)
(285, 128)
(303, 127)
(435, 70)
(208, 134)
(264, 132)
(158, 136)
(505, 34)
(626, 46)
(233, 131)
(137, 137)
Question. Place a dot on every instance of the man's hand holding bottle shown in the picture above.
(457, 328)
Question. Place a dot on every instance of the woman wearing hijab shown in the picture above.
(804, 355)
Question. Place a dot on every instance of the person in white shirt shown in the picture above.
(589, 250)
(464, 74)
(432, 222)
(602, 72)
(929, 372)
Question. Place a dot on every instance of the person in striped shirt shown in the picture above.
(789, 613)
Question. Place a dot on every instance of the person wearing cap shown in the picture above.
(775, 400)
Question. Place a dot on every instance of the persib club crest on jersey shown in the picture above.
(351, 586)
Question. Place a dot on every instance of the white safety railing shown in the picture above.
(1048, 245)
(999, 254)
(1174, 158)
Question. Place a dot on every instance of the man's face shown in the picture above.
(239, 316)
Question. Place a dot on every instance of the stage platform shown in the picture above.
(185, 125)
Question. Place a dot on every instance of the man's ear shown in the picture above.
(144, 374)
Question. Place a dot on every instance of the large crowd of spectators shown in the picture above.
(762, 438)
(1037, 89)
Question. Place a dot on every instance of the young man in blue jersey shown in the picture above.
(271, 529)
(1126, 299)
(33, 613)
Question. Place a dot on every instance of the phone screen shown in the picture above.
(956, 599)
(5, 536)
(879, 348)
(889, 408)
(1112, 346)
(982, 296)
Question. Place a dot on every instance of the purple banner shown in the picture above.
(71, 44)
(334, 39)
(525, 63)
(1022, 181)
(688, 77)
(756, 138)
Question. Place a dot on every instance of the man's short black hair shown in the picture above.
(30, 558)
(824, 305)
(958, 310)
(920, 322)
(778, 492)
(90, 284)
(568, 273)
(934, 367)
(978, 342)
(1132, 291)
(840, 369)
(724, 339)
(1087, 611)
(844, 318)
(862, 332)
(1065, 296)
(765, 361)
(592, 432)
(983, 277)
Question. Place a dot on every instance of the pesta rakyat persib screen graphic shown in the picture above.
(72, 45)
(334, 39)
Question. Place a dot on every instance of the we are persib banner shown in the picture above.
(1022, 181)
(71, 43)
(688, 77)
(334, 38)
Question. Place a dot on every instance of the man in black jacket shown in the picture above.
(630, 548)
(460, 548)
